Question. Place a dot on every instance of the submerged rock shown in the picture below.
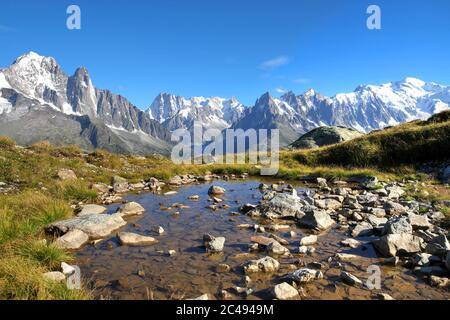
(133, 239)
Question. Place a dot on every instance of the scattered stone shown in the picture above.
(194, 197)
(120, 185)
(266, 264)
(223, 268)
(351, 243)
(305, 275)
(170, 193)
(346, 257)
(66, 174)
(394, 208)
(362, 229)
(91, 208)
(202, 297)
(100, 187)
(72, 240)
(322, 183)
(328, 204)
(67, 269)
(130, 209)
(216, 190)
(398, 244)
(214, 244)
(350, 279)
(303, 250)
(158, 229)
(440, 282)
(375, 221)
(277, 249)
(309, 240)
(55, 276)
(132, 239)
(317, 219)
(370, 183)
(284, 291)
(384, 296)
(419, 222)
(172, 253)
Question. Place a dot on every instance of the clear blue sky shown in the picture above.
(230, 48)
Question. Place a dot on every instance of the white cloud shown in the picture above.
(280, 90)
(302, 80)
(274, 63)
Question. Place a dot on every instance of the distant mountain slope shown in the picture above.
(35, 86)
(324, 136)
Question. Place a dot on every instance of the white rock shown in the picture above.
(54, 276)
(266, 264)
(284, 291)
(91, 208)
(72, 240)
(130, 209)
(309, 240)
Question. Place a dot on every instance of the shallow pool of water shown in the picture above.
(123, 272)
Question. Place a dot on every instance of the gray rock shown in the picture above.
(276, 248)
(362, 229)
(120, 185)
(96, 226)
(375, 221)
(328, 204)
(266, 264)
(394, 208)
(133, 239)
(284, 291)
(72, 240)
(447, 261)
(66, 174)
(130, 209)
(438, 246)
(350, 279)
(91, 208)
(394, 192)
(305, 275)
(421, 259)
(322, 182)
(215, 244)
(439, 282)
(397, 225)
(317, 220)
(282, 205)
(370, 183)
(419, 222)
(216, 190)
(398, 244)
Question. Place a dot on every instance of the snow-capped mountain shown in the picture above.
(35, 84)
(366, 109)
(176, 112)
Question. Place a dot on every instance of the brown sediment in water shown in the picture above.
(149, 272)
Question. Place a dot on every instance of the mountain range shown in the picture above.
(38, 101)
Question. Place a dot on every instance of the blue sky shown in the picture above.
(239, 48)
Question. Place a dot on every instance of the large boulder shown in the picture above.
(392, 245)
(130, 209)
(96, 226)
(317, 219)
(72, 240)
(266, 264)
(324, 136)
(282, 205)
(397, 225)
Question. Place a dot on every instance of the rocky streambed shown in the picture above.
(243, 239)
